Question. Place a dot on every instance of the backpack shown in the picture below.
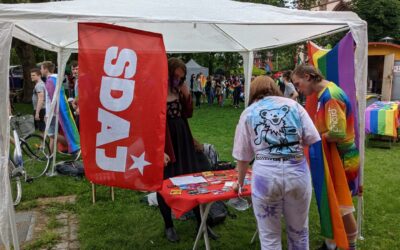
(223, 165)
(70, 168)
(211, 153)
(217, 214)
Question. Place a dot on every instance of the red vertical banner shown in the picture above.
(123, 76)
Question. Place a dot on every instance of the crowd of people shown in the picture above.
(216, 89)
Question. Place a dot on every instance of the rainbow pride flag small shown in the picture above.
(66, 119)
(382, 118)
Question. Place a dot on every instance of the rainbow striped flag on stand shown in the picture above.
(328, 175)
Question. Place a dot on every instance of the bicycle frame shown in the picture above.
(17, 157)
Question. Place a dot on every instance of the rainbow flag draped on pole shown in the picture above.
(337, 65)
(329, 178)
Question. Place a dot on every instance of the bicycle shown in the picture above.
(32, 145)
(16, 171)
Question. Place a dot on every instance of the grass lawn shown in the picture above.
(129, 224)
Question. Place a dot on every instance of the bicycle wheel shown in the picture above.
(37, 162)
(32, 146)
(15, 183)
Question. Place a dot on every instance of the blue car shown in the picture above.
(16, 77)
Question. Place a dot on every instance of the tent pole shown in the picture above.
(62, 58)
(248, 58)
(359, 31)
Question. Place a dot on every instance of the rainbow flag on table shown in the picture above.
(329, 178)
(382, 118)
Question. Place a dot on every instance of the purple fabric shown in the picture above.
(346, 77)
(51, 86)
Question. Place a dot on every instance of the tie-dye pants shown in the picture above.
(282, 188)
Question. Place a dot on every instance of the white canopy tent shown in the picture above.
(186, 26)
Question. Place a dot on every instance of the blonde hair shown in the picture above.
(49, 66)
(261, 87)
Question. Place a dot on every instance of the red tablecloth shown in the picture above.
(184, 202)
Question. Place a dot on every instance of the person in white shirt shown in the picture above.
(273, 130)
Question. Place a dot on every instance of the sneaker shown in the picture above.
(325, 247)
(171, 234)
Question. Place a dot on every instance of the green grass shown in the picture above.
(129, 224)
(45, 241)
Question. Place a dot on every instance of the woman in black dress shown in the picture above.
(180, 155)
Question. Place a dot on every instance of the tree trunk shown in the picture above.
(211, 57)
(27, 58)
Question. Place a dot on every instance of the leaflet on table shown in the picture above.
(186, 180)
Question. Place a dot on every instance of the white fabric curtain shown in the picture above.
(7, 220)
(360, 35)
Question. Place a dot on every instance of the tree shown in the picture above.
(383, 17)
(26, 56)
(279, 3)
(303, 4)
(295, 4)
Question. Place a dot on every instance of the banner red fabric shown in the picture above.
(123, 77)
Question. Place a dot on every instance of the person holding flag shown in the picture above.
(334, 120)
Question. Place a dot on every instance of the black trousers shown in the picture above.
(197, 94)
(40, 124)
(236, 96)
(166, 212)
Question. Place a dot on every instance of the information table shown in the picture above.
(184, 198)
(382, 118)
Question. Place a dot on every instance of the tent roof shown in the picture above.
(193, 64)
(187, 26)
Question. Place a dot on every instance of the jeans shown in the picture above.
(282, 187)
(211, 97)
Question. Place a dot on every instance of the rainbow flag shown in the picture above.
(203, 80)
(337, 65)
(382, 118)
(328, 174)
(66, 119)
(325, 183)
